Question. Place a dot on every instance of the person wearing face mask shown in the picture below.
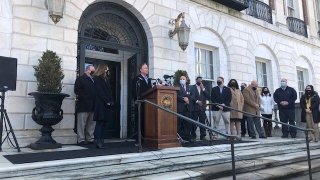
(285, 97)
(184, 107)
(252, 100)
(85, 92)
(199, 111)
(237, 102)
(221, 95)
(103, 104)
(309, 103)
(266, 107)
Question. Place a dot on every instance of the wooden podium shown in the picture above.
(160, 127)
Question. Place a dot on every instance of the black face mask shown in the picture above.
(254, 88)
(308, 92)
(233, 84)
(265, 92)
(198, 83)
(242, 88)
(219, 83)
(92, 72)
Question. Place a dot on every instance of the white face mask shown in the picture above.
(183, 82)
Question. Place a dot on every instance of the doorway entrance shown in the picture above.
(109, 33)
(113, 123)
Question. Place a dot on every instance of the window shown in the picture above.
(290, 7)
(301, 75)
(205, 63)
(262, 73)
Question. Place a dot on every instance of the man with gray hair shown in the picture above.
(285, 97)
(85, 91)
(252, 100)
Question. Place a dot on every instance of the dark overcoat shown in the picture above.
(203, 96)
(181, 105)
(221, 98)
(104, 99)
(314, 108)
(140, 86)
(85, 90)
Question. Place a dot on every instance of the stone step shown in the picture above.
(270, 167)
(142, 164)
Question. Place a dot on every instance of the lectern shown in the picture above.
(160, 126)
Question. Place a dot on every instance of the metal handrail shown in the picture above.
(231, 137)
(271, 120)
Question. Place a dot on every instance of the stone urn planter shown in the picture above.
(48, 98)
(47, 113)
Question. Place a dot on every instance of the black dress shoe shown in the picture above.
(284, 136)
(253, 137)
(82, 143)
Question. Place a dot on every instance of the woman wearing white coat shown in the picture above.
(266, 106)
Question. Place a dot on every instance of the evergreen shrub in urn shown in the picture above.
(48, 98)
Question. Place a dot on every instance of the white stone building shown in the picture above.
(123, 33)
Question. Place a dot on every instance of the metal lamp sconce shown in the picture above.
(55, 8)
(181, 29)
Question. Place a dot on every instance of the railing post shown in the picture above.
(139, 127)
(233, 159)
(308, 152)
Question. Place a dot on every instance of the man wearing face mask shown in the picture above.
(285, 97)
(221, 95)
(85, 91)
(184, 107)
(252, 100)
(199, 111)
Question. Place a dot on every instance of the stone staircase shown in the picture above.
(271, 158)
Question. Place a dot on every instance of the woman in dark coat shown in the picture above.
(309, 103)
(103, 103)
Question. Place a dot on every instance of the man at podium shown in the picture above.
(142, 83)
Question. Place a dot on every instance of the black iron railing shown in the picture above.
(297, 26)
(232, 138)
(259, 10)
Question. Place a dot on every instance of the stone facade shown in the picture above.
(238, 39)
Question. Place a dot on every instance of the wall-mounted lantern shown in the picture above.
(181, 29)
(55, 8)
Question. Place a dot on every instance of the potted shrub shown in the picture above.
(48, 98)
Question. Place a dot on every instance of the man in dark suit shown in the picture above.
(141, 84)
(285, 97)
(199, 110)
(221, 95)
(85, 91)
(184, 107)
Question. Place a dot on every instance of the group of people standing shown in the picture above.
(95, 102)
(94, 105)
(249, 99)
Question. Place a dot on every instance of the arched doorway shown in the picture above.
(109, 33)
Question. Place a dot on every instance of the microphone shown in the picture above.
(167, 76)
